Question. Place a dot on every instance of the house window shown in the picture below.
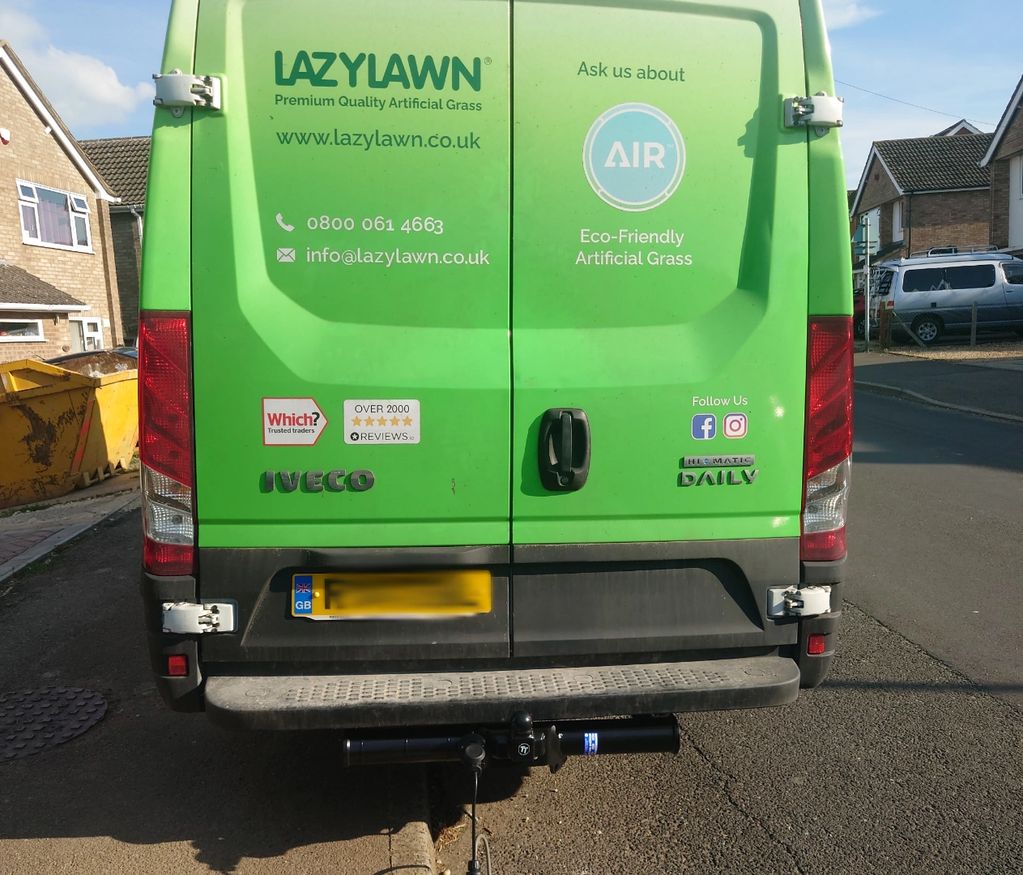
(86, 334)
(21, 330)
(51, 217)
(897, 235)
(874, 228)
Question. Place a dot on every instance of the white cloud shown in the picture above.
(847, 13)
(85, 91)
(20, 28)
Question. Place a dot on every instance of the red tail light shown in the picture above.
(165, 394)
(829, 400)
(166, 442)
(816, 644)
(177, 665)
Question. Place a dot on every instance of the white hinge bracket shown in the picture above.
(189, 618)
(178, 90)
(819, 111)
(793, 601)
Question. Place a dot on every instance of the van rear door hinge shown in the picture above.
(793, 601)
(819, 111)
(177, 89)
(188, 618)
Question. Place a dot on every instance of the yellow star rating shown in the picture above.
(395, 420)
(381, 421)
(408, 421)
(356, 421)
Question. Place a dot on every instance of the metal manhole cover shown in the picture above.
(34, 720)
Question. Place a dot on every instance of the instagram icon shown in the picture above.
(735, 425)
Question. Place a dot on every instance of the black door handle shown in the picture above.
(564, 450)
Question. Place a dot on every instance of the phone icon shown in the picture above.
(283, 224)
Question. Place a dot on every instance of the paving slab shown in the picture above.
(29, 535)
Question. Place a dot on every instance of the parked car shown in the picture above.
(935, 295)
(859, 313)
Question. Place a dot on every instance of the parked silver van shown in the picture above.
(934, 294)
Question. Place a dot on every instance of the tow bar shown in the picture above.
(522, 742)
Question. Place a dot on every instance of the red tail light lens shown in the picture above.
(816, 644)
(177, 665)
(165, 395)
(166, 442)
(826, 468)
(829, 394)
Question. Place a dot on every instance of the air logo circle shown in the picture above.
(634, 157)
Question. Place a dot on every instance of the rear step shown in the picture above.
(377, 701)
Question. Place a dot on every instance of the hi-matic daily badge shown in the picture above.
(292, 422)
(379, 421)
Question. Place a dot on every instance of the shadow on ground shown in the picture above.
(145, 775)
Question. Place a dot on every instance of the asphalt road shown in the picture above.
(901, 763)
(935, 534)
(148, 790)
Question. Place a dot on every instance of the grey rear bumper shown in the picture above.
(480, 697)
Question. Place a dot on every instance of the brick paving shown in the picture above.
(28, 535)
(14, 543)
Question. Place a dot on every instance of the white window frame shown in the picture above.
(898, 232)
(15, 339)
(96, 333)
(77, 205)
(874, 224)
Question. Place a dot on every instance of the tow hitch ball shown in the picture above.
(521, 741)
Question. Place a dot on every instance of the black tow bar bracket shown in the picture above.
(521, 741)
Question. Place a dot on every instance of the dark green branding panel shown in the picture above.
(660, 233)
(350, 282)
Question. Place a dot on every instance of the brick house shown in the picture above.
(927, 192)
(1004, 158)
(124, 164)
(58, 289)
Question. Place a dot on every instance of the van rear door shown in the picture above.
(660, 305)
(350, 290)
(660, 268)
(350, 255)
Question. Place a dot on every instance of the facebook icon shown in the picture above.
(705, 426)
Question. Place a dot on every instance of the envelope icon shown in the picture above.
(285, 254)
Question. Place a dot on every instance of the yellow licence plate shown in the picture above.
(391, 595)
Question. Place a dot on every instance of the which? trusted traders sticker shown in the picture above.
(382, 422)
(292, 422)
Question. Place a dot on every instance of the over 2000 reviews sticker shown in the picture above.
(384, 421)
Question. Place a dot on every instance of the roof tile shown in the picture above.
(124, 164)
(18, 286)
(937, 163)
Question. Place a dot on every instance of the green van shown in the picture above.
(496, 364)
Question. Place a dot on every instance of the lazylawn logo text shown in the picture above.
(331, 69)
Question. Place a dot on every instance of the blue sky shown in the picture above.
(94, 59)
